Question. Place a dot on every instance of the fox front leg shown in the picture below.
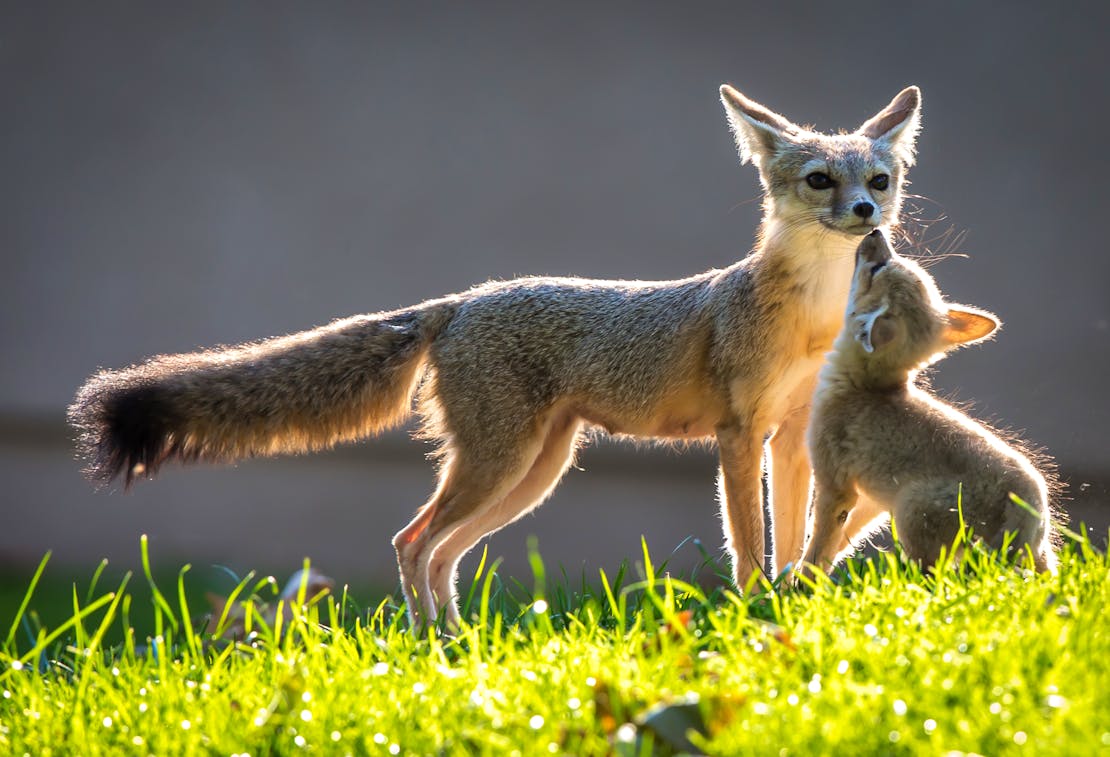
(867, 517)
(790, 477)
(831, 509)
(741, 496)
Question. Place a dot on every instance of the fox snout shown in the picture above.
(856, 212)
(874, 248)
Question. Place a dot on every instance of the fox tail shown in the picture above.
(348, 380)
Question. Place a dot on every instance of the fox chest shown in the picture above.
(801, 342)
(794, 355)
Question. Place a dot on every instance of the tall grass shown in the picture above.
(981, 656)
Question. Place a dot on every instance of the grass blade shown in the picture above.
(26, 601)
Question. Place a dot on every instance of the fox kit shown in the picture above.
(511, 373)
(874, 433)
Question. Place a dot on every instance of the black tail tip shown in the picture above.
(122, 429)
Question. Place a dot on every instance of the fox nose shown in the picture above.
(863, 209)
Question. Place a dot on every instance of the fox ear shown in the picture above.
(759, 132)
(876, 329)
(897, 124)
(966, 325)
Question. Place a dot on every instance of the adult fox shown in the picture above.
(509, 373)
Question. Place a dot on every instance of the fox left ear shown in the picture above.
(966, 325)
(897, 124)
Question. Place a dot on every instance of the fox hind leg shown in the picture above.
(463, 490)
(409, 542)
(927, 518)
(553, 460)
(473, 478)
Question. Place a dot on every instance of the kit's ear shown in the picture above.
(897, 124)
(876, 329)
(759, 131)
(966, 325)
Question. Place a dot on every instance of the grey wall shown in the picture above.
(181, 174)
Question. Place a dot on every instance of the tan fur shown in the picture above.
(514, 371)
(876, 435)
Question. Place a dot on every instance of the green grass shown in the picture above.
(984, 658)
(52, 602)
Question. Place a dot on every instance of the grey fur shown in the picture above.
(882, 446)
(509, 373)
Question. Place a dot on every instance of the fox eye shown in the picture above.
(877, 267)
(818, 180)
(880, 182)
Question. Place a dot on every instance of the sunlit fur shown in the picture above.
(510, 374)
(297, 393)
(877, 436)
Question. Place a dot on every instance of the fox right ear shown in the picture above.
(759, 132)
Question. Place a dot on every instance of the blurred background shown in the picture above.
(180, 175)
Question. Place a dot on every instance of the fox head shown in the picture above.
(847, 183)
(897, 321)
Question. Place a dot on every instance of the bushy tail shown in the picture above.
(344, 381)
